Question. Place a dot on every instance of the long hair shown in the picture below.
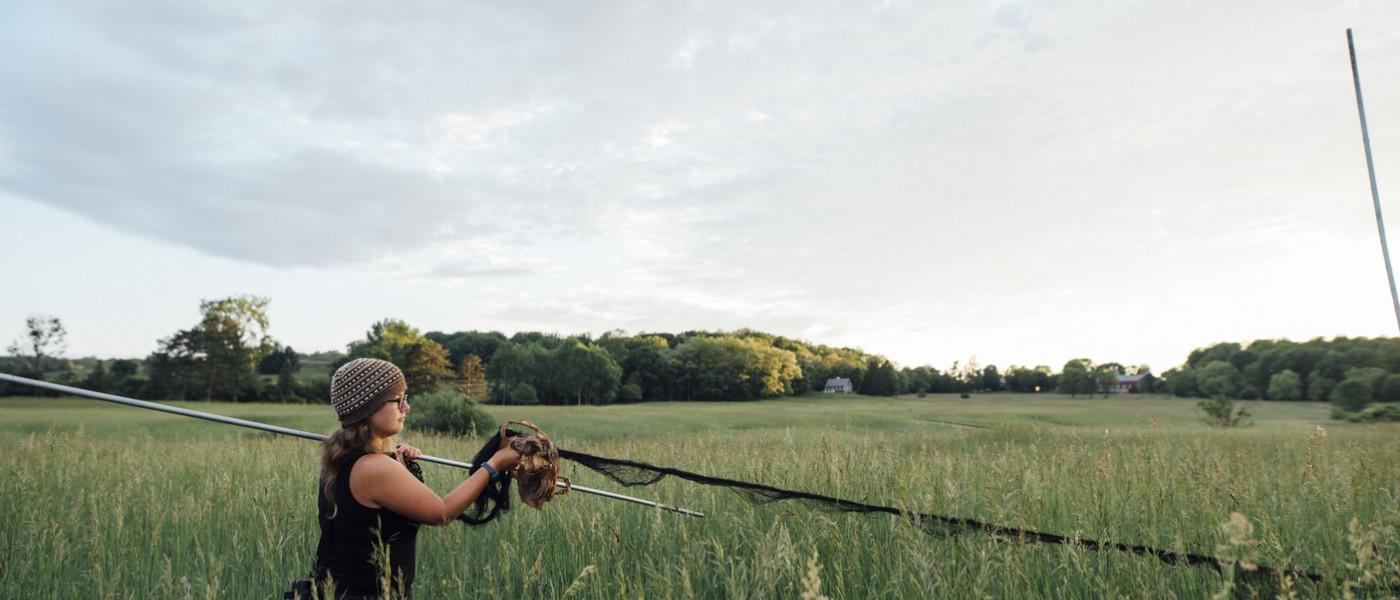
(350, 439)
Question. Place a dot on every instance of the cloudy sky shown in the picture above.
(1025, 182)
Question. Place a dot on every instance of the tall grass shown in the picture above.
(141, 516)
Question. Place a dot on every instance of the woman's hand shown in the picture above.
(408, 453)
(505, 458)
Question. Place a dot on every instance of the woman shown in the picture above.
(372, 500)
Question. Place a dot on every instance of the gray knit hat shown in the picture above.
(357, 384)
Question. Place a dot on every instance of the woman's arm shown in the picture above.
(385, 482)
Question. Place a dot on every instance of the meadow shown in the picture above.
(106, 501)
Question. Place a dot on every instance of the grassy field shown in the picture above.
(108, 501)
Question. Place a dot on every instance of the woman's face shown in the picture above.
(388, 420)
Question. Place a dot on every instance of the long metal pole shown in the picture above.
(297, 433)
(1371, 171)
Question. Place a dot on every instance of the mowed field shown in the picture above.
(104, 501)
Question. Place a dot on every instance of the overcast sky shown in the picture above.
(1026, 182)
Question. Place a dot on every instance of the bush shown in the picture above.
(1285, 385)
(629, 393)
(516, 393)
(1320, 388)
(449, 412)
(1376, 413)
(1221, 412)
(317, 391)
(1353, 394)
(1390, 388)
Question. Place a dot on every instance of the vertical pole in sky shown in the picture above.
(1371, 170)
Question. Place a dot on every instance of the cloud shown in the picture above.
(803, 167)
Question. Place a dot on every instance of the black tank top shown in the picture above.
(350, 550)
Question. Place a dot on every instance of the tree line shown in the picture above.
(228, 354)
(1351, 373)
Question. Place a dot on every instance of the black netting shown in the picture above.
(632, 473)
(495, 499)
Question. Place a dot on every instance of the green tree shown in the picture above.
(1075, 378)
(1286, 385)
(732, 368)
(1320, 387)
(1222, 412)
(216, 357)
(460, 344)
(991, 379)
(589, 372)
(510, 368)
(43, 338)
(175, 366)
(648, 365)
(288, 388)
(631, 391)
(1352, 394)
(1181, 383)
(1218, 378)
(424, 362)
(1373, 375)
(232, 333)
(125, 378)
(275, 362)
(1390, 388)
(97, 379)
(1106, 377)
(881, 379)
(124, 369)
(388, 339)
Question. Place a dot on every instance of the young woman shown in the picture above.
(372, 498)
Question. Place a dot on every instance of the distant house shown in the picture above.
(838, 385)
(1133, 384)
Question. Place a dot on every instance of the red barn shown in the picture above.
(1133, 384)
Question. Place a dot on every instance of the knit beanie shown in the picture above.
(357, 384)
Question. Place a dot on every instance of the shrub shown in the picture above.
(1353, 394)
(1390, 388)
(1221, 412)
(1218, 378)
(629, 393)
(1376, 413)
(1286, 385)
(449, 412)
(517, 393)
(1320, 388)
(317, 391)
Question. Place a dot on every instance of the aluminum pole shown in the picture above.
(1371, 171)
(298, 433)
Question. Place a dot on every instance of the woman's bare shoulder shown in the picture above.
(372, 473)
(373, 464)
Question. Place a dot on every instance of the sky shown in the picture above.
(1019, 182)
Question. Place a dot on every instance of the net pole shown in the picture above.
(185, 412)
(1371, 172)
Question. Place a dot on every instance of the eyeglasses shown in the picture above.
(402, 402)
